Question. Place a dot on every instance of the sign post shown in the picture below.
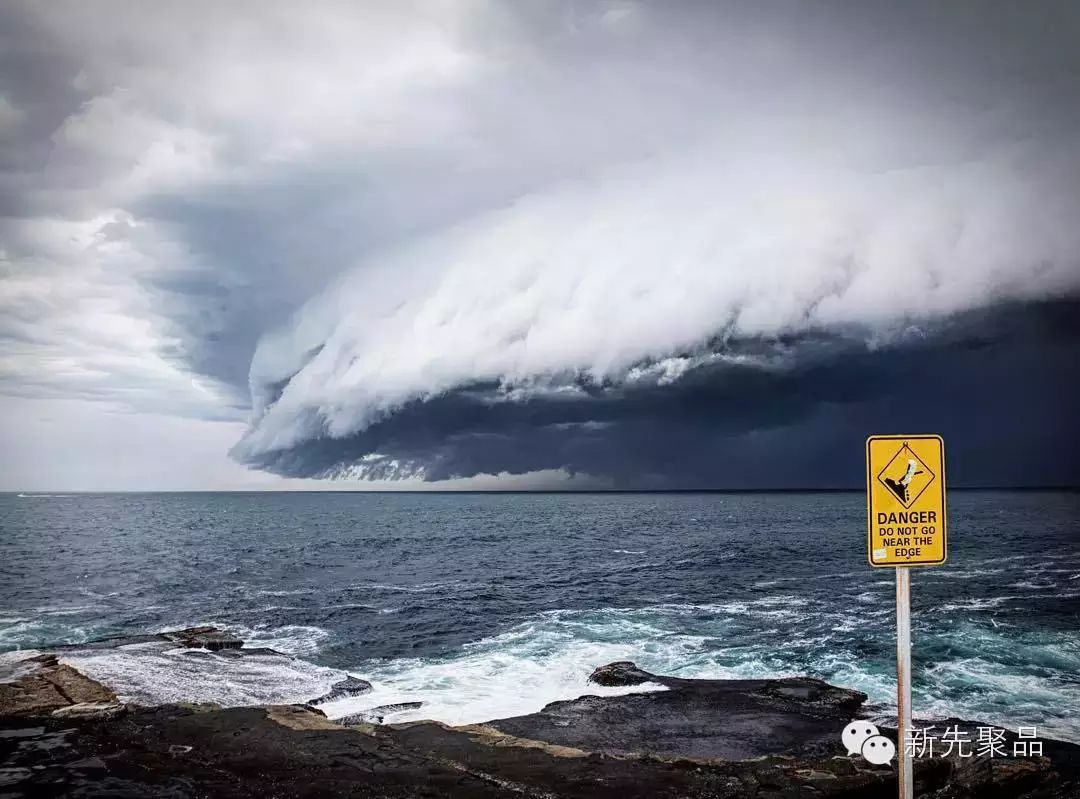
(903, 680)
(905, 509)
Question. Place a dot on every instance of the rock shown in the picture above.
(91, 710)
(13, 776)
(715, 739)
(299, 717)
(205, 637)
(30, 695)
(622, 672)
(375, 715)
(363, 717)
(77, 687)
(350, 686)
(199, 707)
(51, 686)
(253, 753)
(700, 719)
(810, 692)
(22, 732)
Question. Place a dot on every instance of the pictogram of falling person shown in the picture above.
(900, 487)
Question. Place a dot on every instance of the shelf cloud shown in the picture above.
(652, 244)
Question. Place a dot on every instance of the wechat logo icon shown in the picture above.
(863, 738)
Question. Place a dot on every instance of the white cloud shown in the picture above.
(657, 259)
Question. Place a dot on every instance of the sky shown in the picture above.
(551, 244)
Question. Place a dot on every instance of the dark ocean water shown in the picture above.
(489, 605)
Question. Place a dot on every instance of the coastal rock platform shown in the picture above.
(694, 738)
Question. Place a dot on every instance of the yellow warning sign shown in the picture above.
(905, 500)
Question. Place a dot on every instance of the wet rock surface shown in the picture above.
(350, 686)
(697, 738)
(377, 714)
(622, 672)
(706, 719)
(48, 687)
(91, 710)
(205, 637)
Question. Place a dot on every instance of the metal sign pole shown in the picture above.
(903, 680)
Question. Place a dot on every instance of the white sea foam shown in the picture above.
(423, 588)
(17, 664)
(63, 610)
(986, 603)
(1003, 697)
(507, 675)
(298, 640)
(976, 603)
(156, 673)
(20, 633)
(1030, 584)
(964, 574)
(550, 657)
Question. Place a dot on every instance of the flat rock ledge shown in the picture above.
(721, 739)
(49, 687)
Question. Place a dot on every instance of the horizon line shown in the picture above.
(804, 490)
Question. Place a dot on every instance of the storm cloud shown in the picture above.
(661, 244)
(1001, 385)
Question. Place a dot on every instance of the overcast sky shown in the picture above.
(588, 244)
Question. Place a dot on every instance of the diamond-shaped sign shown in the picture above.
(906, 476)
(905, 500)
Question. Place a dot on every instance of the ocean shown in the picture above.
(490, 605)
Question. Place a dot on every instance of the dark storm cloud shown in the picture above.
(1001, 385)
(480, 237)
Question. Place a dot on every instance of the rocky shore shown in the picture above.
(64, 734)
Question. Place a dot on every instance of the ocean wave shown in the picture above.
(156, 673)
(64, 610)
(989, 691)
(506, 675)
(803, 578)
(986, 603)
(976, 603)
(25, 633)
(422, 588)
(977, 669)
(550, 657)
(1032, 584)
(963, 574)
(298, 640)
